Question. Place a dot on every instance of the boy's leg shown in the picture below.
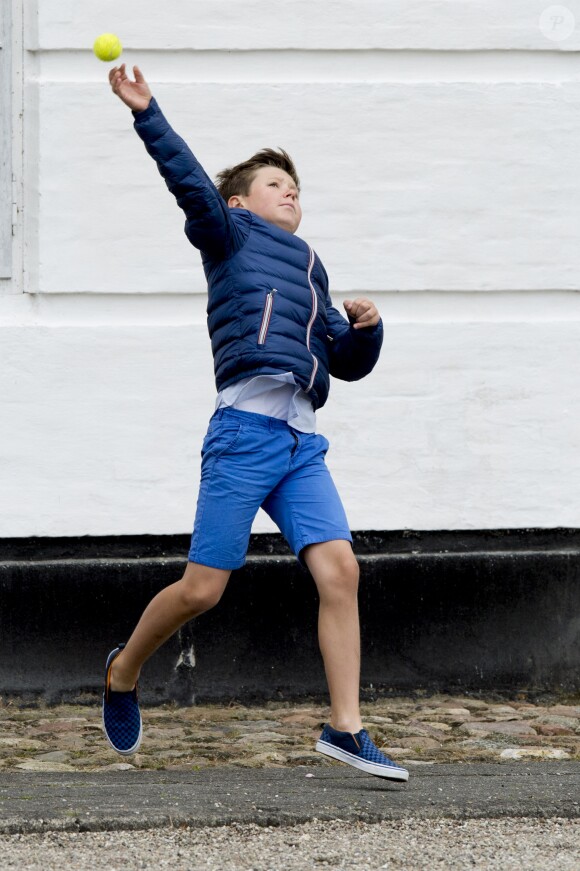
(335, 571)
(307, 509)
(199, 589)
(244, 456)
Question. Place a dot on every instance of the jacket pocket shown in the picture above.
(266, 316)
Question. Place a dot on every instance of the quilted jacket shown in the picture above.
(269, 309)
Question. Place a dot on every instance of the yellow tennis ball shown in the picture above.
(107, 47)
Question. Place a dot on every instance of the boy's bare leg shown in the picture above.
(335, 571)
(199, 589)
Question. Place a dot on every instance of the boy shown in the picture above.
(275, 340)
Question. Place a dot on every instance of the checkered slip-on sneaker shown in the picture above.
(121, 714)
(359, 750)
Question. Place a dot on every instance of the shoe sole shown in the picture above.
(397, 774)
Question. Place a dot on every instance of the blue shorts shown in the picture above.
(251, 461)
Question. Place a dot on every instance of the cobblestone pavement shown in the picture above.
(413, 731)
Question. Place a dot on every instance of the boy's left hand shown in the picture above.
(363, 311)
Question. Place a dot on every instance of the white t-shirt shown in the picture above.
(273, 395)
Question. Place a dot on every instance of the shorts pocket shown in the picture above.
(221, 439)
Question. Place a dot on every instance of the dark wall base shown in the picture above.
(454, 611)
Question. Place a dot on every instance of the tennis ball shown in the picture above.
(107, 47)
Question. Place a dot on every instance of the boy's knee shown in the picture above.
(202, 588)
(347, 573)
(197, 599)
(338, 573)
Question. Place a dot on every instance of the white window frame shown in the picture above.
(11, 145)
(6, 199)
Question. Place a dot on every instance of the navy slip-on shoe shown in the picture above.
(359, 750)
(121, 714)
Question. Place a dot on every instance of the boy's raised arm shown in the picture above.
(136, 95)
(208, 223)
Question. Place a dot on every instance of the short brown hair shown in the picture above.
(238, 179)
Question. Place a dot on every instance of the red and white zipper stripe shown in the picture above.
(312, 319)
(266, 317)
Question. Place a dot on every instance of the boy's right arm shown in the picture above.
(208, 223)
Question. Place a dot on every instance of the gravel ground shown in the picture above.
(505, 844)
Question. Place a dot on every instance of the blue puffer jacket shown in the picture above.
(269, 309)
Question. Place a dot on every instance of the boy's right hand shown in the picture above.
(136, 95)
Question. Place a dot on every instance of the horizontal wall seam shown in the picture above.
(162, 311)
(318, 65)
(290, 558)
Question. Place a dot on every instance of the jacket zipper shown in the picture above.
(312, 319)
(266, 317)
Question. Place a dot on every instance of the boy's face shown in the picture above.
(274, 197)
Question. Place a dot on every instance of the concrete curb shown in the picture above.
(451, 611)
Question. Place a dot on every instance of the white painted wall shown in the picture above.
(438, 145)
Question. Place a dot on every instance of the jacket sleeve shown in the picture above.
(352, 354)
(208, 223)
